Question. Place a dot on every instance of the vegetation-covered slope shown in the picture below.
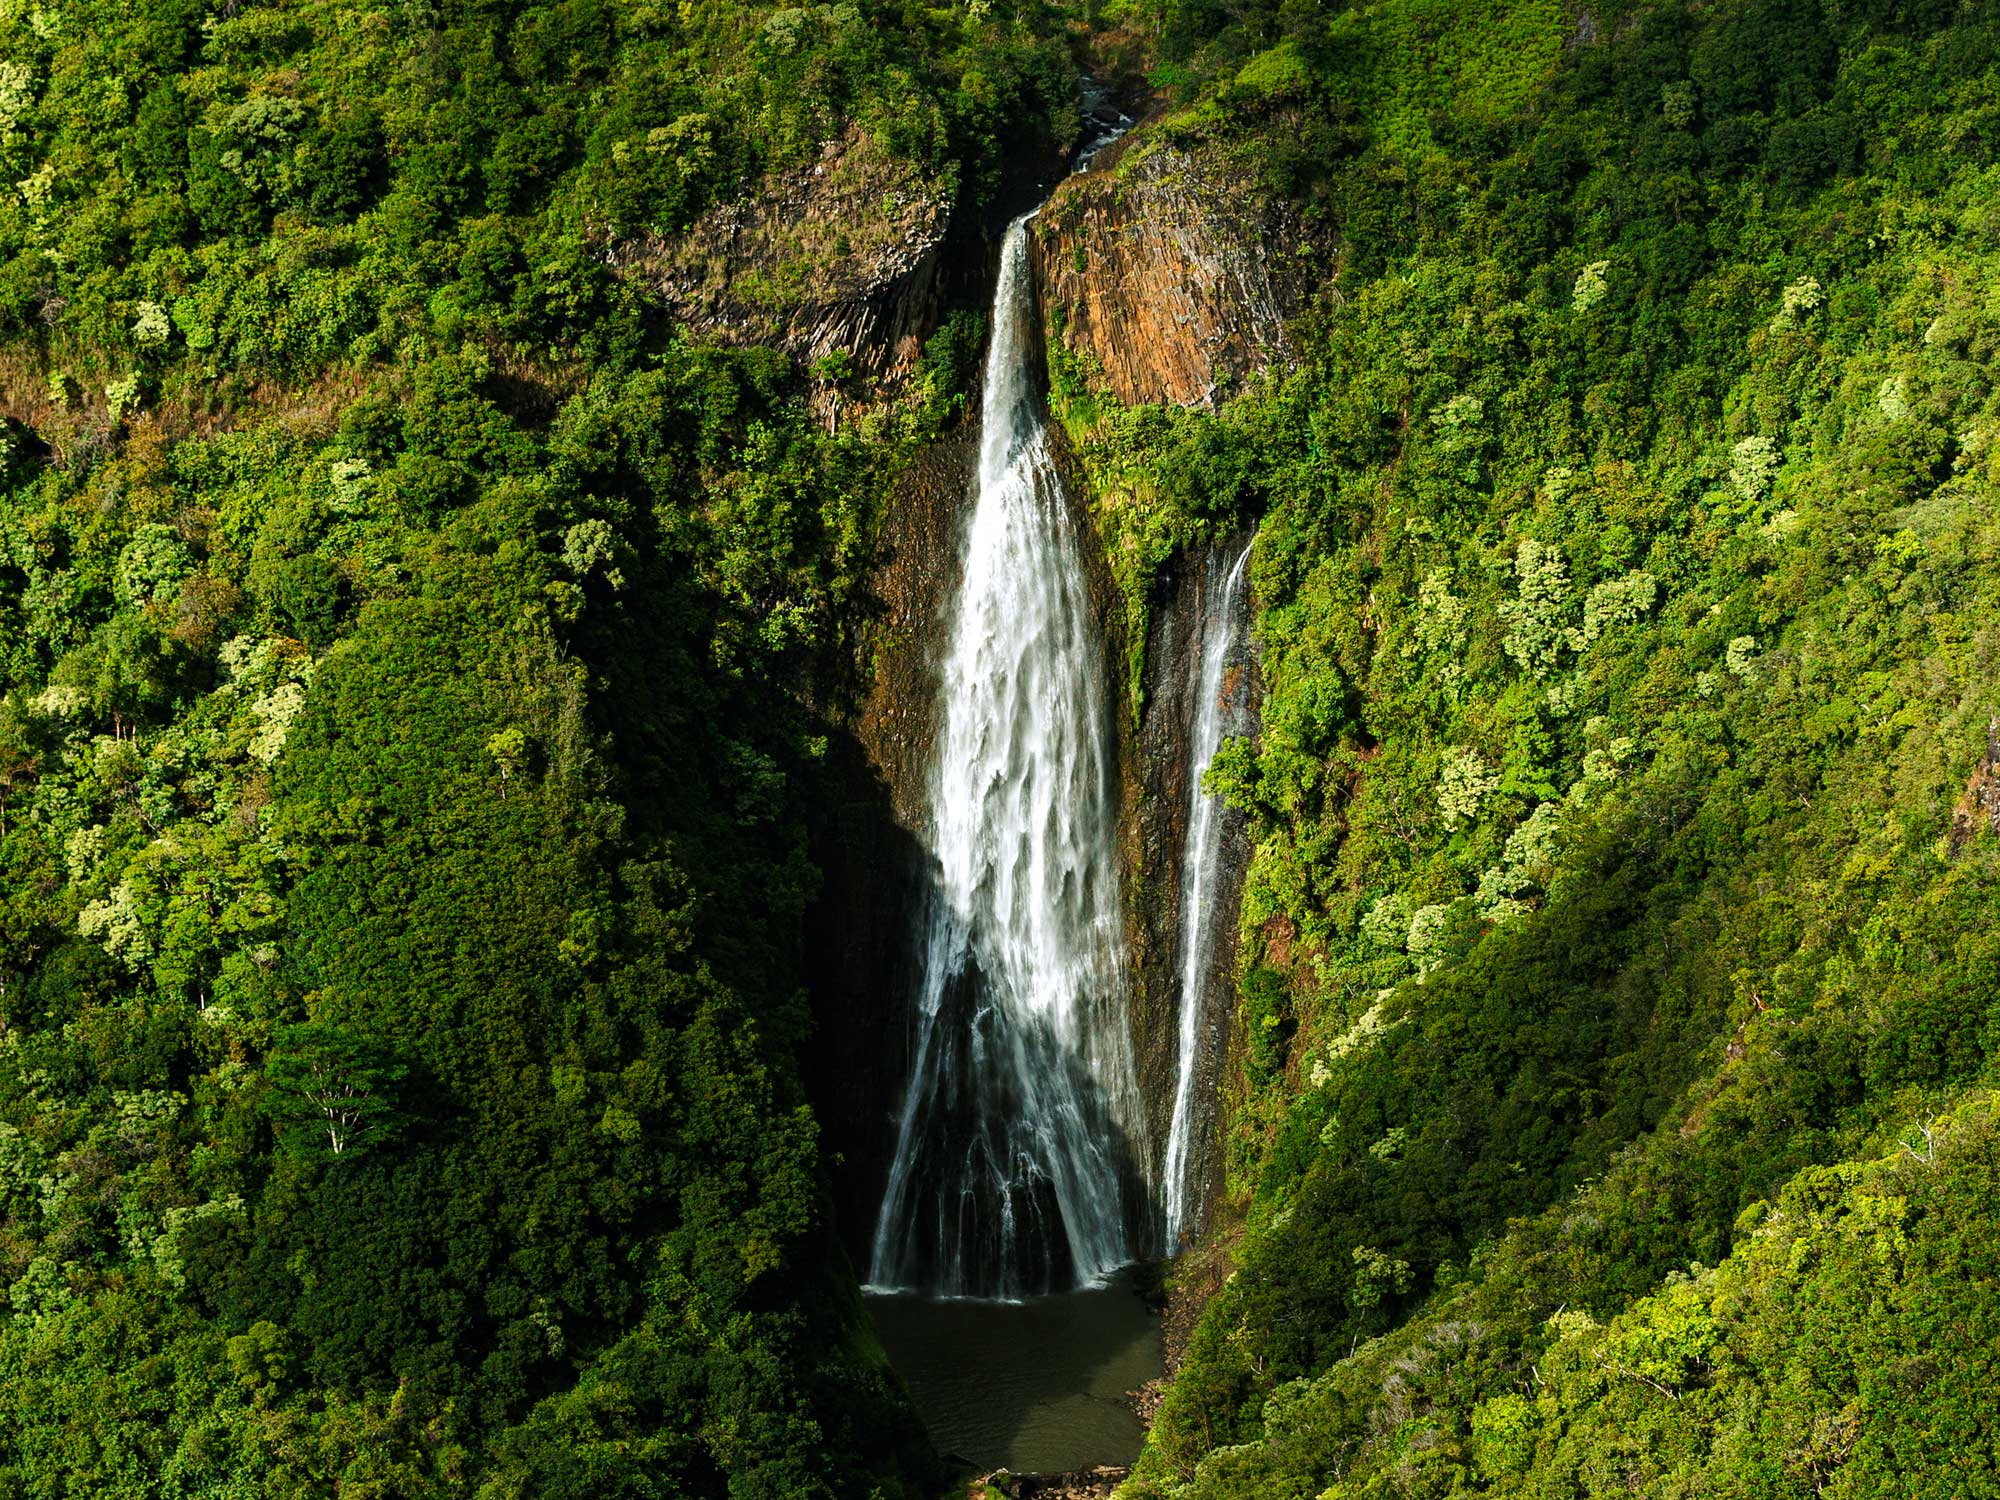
(415, 663)
(418, 656)
(1627, 596)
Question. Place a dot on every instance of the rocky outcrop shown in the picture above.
(1979, 809)
(906, 641)
(1099, 1483)
(841, 256)
(1168, 276)
(1145, 885)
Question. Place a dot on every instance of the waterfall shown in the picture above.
(1221, 707)
(1013, 1167)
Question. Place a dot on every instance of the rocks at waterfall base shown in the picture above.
(1079, 1484)
(1168, 276)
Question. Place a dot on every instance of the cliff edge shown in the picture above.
(838, 256)
(1168, 275)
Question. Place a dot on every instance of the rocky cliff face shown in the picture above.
(1153, 763)
(866, 843)
(875, 866)
(1147, 876)
(1155, 769)
(1160, 769)
(1173, 290)
(1979, 808)
(1167, 276)
(839, 257)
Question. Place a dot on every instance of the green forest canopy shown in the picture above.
(415, 660)
(418, 657)
(1618, 982)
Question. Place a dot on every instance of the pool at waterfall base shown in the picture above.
(1038, 1386)
(1020, 1142)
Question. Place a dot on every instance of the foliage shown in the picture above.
(416, 664)
(369, 991)
(206, 196)
(418, 661)
(1624, 572)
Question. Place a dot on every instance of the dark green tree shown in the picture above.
(333, 1091)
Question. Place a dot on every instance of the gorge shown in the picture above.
(740, 757)
(1012, 1170)
(1029, 1167)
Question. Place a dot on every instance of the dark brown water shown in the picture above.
(1035, 1386)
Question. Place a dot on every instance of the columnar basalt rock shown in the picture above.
(1168, 276)
(841, 256)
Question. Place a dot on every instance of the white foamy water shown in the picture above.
(1015, 1150)
(1221, 708)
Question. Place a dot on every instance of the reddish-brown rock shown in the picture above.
(1979, 808)
(1168, 275)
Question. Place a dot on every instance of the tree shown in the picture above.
(19, 757)
(328, 1080)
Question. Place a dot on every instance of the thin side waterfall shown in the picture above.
(1014, 1167)
(1221, 708)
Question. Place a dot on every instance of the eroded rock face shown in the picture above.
(1979, 809)
(865, 837)
(1160, 767)
(1176, 290)
(907, 641)
(1153, 828)
(841, 256)
(1168, 276)
(1099, 1483)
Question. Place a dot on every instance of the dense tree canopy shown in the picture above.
(415, 660)
(419, 652)
(1626, 578)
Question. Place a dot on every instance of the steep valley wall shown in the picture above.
(866, 842)
(1168, 276)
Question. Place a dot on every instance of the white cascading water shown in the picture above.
(1015, 1155)
(1221, 708)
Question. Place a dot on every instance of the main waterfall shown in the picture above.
(1222, 698)
(1014, 1169)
